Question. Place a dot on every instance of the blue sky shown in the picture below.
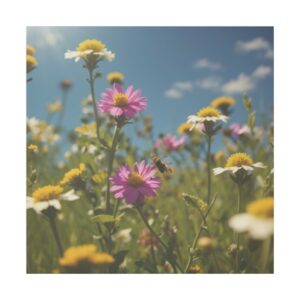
(179, 69)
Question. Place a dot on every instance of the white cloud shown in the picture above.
(255, 45)
(209, 83)
(183, 85)
(243, 83)
(262, 71)
(173, 93)
(45, 36)
(205, 63)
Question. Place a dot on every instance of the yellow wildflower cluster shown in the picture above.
(73, 256)
(185, 128)
(208, 112)
(87, 129)
(72, 175)
(223, 102)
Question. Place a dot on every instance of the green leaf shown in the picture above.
(105, 219)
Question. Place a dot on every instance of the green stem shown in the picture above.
(91, 82)
(153, 258)
(203, 223)
(265, 254)
(173, 263)
(56, 235)
(62, 114)
(209, 170)
(237, 258)
(110, 165)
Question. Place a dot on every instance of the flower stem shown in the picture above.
(110, 164)
(172, 261)
(64, 104)
(265, 254)
(237, 237)
(56, 235)
(209, 170)
(91, 82)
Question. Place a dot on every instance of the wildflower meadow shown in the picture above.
(120, 192)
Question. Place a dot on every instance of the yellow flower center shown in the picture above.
(91, 44)
(208, 112)
(238, 160)
(30, 50)
(85, 253)
(73, 174)
(47, 193)
(184, 128)
(120, 100)
(135, 180)
(222, 101)
(263, 208)
(115, 77)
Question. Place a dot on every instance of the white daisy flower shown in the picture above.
(123, 235)
(207, 114)
(49, 196)
(90, 49)
(237, 162)
(258, 221)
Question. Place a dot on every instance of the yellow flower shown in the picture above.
(258, 221)
(185, 128)
(30, 50)
(115, 77)
(73, 256)
(47, 193)
(72, 175)
(262, 208)
(99, 177)
(223, 102)
(31, 63)
(238, 160)
(88, 130)
(32, 148)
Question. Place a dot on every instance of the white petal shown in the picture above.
(29, 202)
(218, 171)
(259, 165)
(69, 196)
(55, 203)
(39, 206)
(247, 168)
(193, 119)
(223, 118)
(234, 169)
(241, 222)
(71, 54)
(261, 229)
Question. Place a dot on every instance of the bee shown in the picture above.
(160, 164)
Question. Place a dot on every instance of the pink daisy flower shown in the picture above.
(170, 142)
(134, 185)
(122, 103)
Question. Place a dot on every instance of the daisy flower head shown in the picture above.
(31, 63)
(258, 220)
(115, 77)
(223, 104)
(240, 165)
(170, 143)
(49, 196)
(91, 51)
(207, 116)
(121, 103)
(134, 185)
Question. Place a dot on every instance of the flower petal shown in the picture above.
(69, 196)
